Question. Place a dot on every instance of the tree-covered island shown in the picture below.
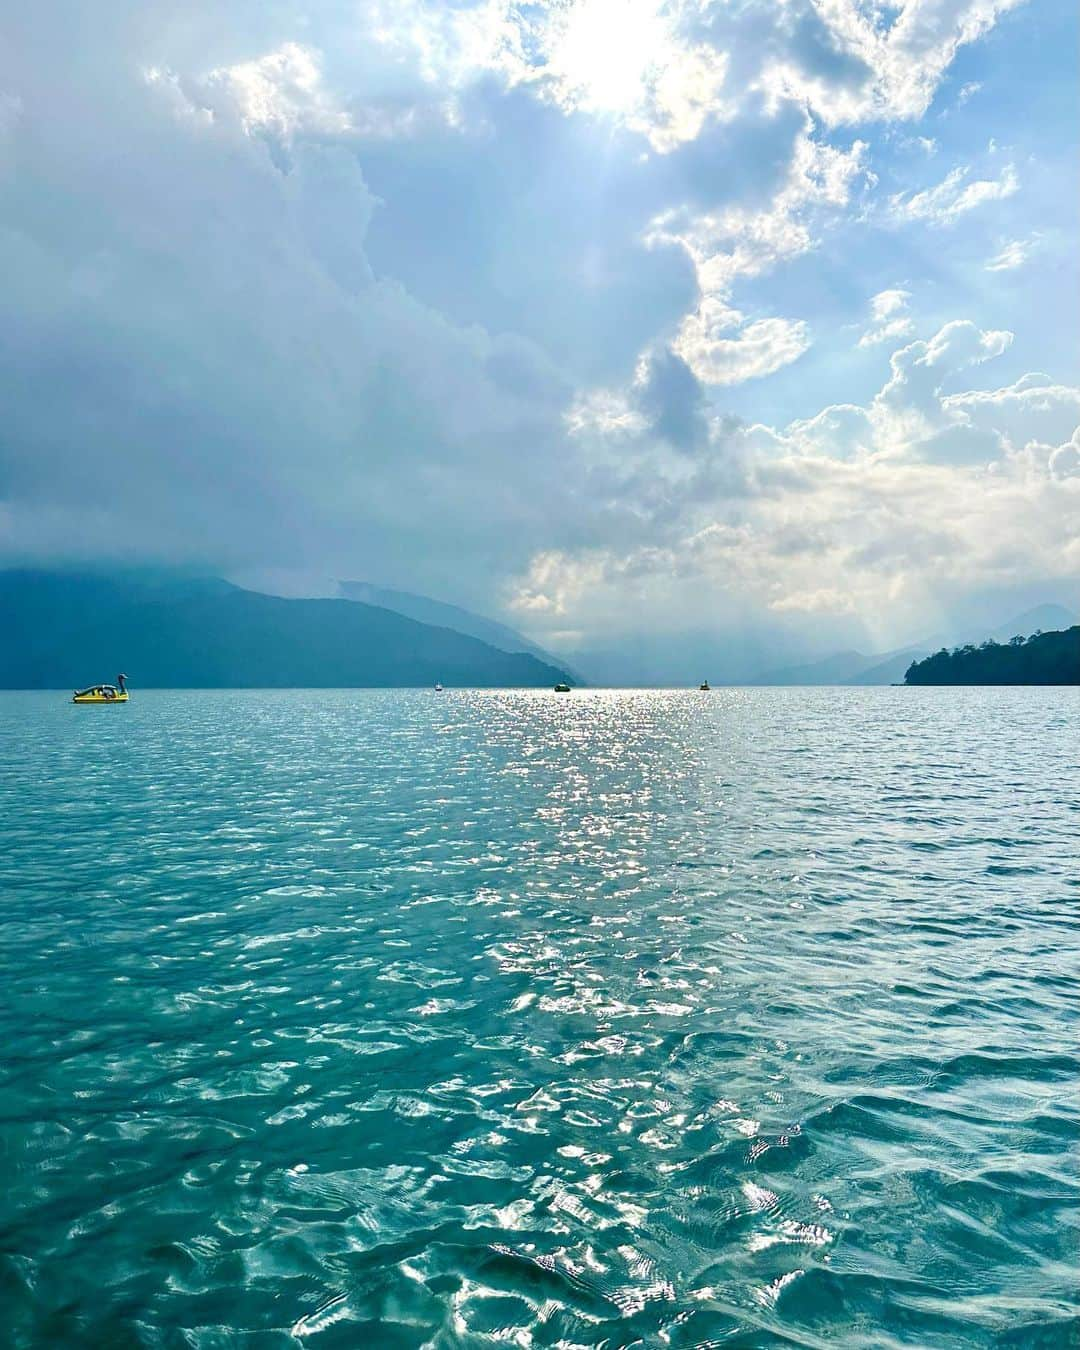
(1043, 658)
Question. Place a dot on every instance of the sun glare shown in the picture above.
(605, 50)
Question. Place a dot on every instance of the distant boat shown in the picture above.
(438, 688)
(562, 688)
(704, 686)
(103, 693)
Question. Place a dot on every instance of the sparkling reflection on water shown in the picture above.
(398, 1018)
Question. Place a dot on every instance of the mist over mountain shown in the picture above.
(443, 615)
(852, 667)
(835, 669)
(735, 653)
(65, 629)
(170, 628)
(1038, 619)
(889, 669)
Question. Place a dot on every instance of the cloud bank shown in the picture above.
(457, 298)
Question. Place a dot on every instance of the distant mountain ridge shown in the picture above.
(1042, 618)
(848, 667)
(888, 669)
(443, 615)
(834, 669)
(852, 667)
(63, 629)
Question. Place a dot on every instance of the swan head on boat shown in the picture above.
(103, 693)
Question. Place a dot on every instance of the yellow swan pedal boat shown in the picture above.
(101, 693)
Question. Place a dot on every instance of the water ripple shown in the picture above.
(390, 1018)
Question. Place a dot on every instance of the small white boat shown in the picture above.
(438, 688)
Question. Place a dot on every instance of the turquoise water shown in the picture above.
(611, 1019)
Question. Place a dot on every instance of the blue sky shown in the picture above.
(601, 316)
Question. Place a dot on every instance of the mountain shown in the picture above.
(442, 615)
(63, 630)
(850, 667)
(889, 669)
(1041, 619)
(833, 669)
(1046, 658)
(647, 658)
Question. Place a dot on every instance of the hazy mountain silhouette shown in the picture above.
(64, 629)
(443, 615)
(848, 667)
(851, 667)
(1041, 619)
(834, 669)
(888, 669)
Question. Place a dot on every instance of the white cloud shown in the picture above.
(630, 62)
(280, 93)
(910, 411)
(954, 196)
(904, 50)
(1034, 407)
(553, 583)
(886, 304)
(721, 347)
(831, 538)
(741, 242)
(889, 318)
(738, 242)
(1011, 255)
(666, 68)
(1064, 462)
(839, 432)
(609, 413)
(853, 511)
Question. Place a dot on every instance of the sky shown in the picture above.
(750, 323)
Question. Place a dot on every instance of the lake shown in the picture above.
(395, 1018)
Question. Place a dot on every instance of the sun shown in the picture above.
(604, 53)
